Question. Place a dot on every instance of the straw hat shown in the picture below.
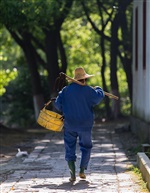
(80, 74)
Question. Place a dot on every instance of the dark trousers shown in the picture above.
(85, 143)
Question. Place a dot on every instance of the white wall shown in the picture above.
(141, 77)
(147, 101)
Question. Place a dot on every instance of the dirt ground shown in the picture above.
(12, 139)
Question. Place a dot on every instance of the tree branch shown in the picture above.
(93, 24)
(16, 37)
(37, 43)
(65, 11)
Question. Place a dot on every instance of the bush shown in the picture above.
(18, 101)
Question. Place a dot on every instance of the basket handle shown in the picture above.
(52, 99)
(48, 103)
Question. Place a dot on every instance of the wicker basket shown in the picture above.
(50, 120)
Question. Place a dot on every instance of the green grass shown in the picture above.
(138, 174)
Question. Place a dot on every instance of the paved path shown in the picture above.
(46, 171)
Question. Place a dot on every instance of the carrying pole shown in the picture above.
(78, 82)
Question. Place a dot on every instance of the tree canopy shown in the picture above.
(54, 36)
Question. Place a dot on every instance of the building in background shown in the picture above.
(140, 121)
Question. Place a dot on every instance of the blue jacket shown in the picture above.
(76, 102)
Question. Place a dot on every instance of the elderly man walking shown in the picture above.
(76, 102)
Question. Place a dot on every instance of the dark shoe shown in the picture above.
(72, 179)
(82, 175)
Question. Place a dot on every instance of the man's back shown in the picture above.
(77, 105)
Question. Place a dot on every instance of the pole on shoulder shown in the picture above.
(78, 82)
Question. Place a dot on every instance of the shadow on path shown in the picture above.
(78, 185)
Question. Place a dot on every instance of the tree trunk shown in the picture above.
(113, 67)
(107, 106)
(52, 57)
(38, 99)
(25, 44)
(62, 54)
(128, 70)
(127, 60)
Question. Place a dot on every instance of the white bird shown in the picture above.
(21, 153)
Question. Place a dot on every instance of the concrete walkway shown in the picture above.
(45, 169)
